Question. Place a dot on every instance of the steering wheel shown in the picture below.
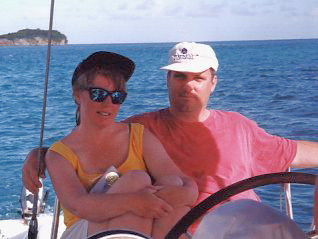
(118, 234)
(238, 187)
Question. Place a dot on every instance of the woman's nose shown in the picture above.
(108, 100)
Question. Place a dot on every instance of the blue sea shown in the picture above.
(274, 83)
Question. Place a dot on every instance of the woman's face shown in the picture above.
(95, 113)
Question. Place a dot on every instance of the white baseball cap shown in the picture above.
(191, 57)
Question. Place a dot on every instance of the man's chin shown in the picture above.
(185, 108)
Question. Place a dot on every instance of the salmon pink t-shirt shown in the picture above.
(227, 147)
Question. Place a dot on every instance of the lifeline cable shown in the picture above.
(33, 226)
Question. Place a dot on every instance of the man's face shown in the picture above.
(189, 92)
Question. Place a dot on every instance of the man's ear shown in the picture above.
(167, 79)
(214, 82)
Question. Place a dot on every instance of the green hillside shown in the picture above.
(32, 33)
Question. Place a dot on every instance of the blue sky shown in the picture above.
(117, 21)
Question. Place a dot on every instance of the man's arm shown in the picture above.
(306, 156)
(316, 205)
(30, 175)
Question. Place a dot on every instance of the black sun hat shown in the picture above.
(105, 59)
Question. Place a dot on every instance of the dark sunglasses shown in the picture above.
(99, 95)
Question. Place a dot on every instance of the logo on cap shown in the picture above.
(183, 55)
(184, 51)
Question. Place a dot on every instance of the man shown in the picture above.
(214, 147)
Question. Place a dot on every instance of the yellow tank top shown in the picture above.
(134, 162)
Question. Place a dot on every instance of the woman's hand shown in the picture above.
(147, 204)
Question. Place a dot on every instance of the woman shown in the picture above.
(150, 195)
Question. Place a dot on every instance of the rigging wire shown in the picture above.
(33, 226)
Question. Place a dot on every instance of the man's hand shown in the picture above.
(30, 171)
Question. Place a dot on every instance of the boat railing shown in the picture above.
(56, 218)
(288, 203)
(288, 199)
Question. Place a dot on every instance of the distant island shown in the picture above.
(32, 37)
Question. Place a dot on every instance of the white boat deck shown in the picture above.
(17, 229)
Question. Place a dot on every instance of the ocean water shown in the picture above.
(274, 83)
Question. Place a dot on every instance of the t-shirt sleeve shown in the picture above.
(270, 153)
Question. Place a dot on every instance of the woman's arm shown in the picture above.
(98, 207)
(161, 166)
